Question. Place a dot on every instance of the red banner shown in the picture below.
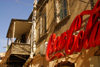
(90, 37)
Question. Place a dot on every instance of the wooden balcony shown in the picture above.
(19, 48)
(17, 53)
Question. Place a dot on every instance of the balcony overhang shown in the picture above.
(18, 27)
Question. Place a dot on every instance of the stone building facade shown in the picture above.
(47, 17)
(56, 16)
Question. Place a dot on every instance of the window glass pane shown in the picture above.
(63, 8)
(61, 14)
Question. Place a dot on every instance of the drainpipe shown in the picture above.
(33, 36)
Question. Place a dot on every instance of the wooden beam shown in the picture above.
(21, 48)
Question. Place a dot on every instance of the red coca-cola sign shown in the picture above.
(68, 43)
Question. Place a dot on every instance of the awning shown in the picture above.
(18, 27)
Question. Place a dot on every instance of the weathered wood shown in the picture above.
(23, 49)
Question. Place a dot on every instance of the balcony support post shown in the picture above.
(7, 43)
(13, 34)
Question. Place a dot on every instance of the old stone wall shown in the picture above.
(85, 58)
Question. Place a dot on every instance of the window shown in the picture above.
(43, 22)
(63, 8)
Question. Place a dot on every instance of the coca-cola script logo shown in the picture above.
(68, 43)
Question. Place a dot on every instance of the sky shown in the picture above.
(19, 9)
